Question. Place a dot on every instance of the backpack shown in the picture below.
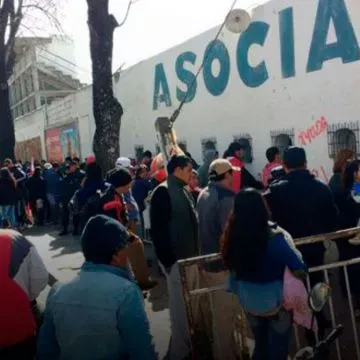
(92, 207)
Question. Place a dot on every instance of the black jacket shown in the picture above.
(37, 188)
(174, 223)
(69, 185)
(248, 180)
(8, 194)
(108, 203)
(349, 214)
(303, 206)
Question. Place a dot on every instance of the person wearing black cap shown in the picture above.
(242, 177)
(303, 206)
(174, 232)
(99, 314)
(113, 204)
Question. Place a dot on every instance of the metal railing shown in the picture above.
(243, 334)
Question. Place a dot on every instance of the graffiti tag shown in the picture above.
(310, 134)
(321, 173)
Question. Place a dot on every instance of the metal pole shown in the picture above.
(313, 316)
(353, 322)
(332, 314)
(297, 338)
(187, 302)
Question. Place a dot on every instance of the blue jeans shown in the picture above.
(54, 207)
(272, 335)
(7, 212)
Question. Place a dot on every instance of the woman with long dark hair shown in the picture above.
(343, 157)
(256, 253)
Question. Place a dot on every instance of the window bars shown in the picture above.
(209, 143)
(139, 150)
(245, 139)
(183, 145)
(343, 136)
(282, 139)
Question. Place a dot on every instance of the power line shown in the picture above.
(58, 64)
(56, 55)
(177, 111)
(66, 60)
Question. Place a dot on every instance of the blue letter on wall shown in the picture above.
(186, 76)
(216, 50)
(346, 46)
(161, 84)
(286, 27)
(255, 34)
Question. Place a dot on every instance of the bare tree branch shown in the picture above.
(11, 17)
(46, 11)
(131, 2)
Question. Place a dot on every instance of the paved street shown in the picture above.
(63, 259)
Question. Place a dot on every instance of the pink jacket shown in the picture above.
(266, 173)
(295, 299)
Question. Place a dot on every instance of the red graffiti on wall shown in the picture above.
(305, 137)
(321, 173)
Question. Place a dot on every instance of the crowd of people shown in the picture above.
(218, 207)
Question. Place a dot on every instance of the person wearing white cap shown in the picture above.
(123, 162)
(214, 206)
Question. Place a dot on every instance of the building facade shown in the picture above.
(291, 78)
(44, 70)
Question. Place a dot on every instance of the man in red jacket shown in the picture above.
(241, 177)
(274, 161)
(22, 277)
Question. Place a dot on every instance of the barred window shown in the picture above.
(246, 140)
(139, 150)
(183, 145)
(282, 139)
(343, 136)
(208, 144)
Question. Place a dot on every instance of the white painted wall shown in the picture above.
(279, 103)
(31, 126)
(60, 53)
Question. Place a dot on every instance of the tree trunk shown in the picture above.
(7, 133)
(106, 108)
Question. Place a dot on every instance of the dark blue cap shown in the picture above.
(102, 238)
(294, 157)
